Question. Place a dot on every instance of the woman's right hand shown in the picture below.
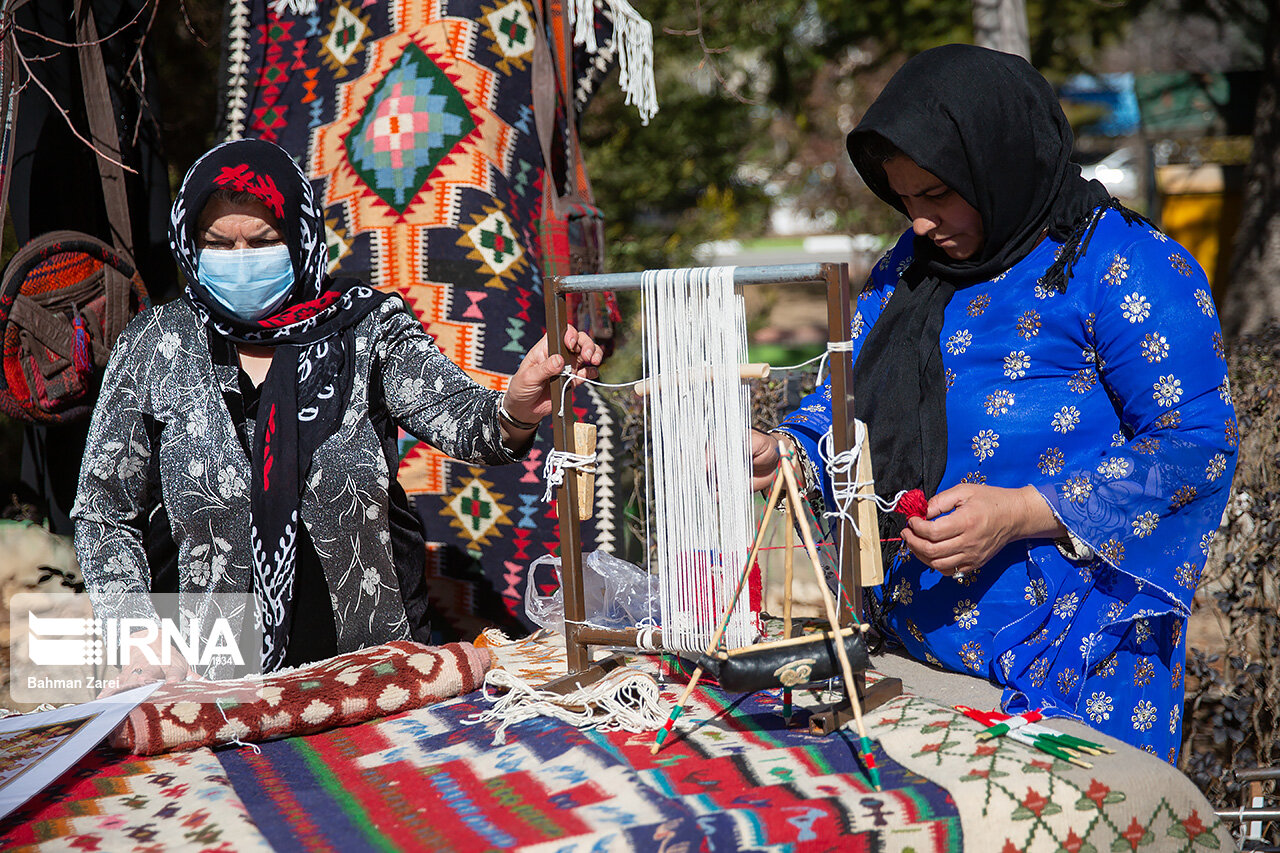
(138, 669)
(764, 460)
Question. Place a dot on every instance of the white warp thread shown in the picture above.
(559, 461)
(699, 416)
(625, 699)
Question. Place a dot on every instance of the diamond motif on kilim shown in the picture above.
(476, 510)
(336, 244)
(412, 121)
(512, 32)
(494, 242)
(346, 34)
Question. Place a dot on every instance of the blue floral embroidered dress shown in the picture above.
(1112, 400)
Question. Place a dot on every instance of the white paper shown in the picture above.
(37, 748)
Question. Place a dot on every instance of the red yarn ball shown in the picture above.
(913, 504)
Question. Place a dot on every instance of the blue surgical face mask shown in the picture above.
(250, 283)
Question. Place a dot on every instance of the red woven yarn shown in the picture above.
(913, 504)
(81, 355)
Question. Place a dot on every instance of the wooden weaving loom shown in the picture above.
(855, 560)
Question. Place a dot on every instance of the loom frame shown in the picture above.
(579, 638)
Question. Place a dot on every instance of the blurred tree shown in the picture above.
(1001, 25)
(187, 39)
(756, 99)
(1252, 300)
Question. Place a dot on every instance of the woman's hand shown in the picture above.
(980, 520)
(137, 669)
(765, 456)
(528, 396)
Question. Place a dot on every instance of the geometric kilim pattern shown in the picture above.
(1016, 799)
(512, 33)
(177, 801)
(414, 117)
(413, 120)
(477, 511)
(494, 246)
(346, 36)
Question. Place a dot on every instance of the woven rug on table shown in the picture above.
(175, 802)
(426, 780)
(537, 658)
(343, 690)
(1010, 797)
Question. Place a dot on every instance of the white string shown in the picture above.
(558, 461)
(235, 738)
(842, 472)
(790, 367)
(832, 346)
(625, 699)
(573, 378)
(645, 630)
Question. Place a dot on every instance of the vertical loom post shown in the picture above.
(841, 367)
(853, 571)
(562, 426)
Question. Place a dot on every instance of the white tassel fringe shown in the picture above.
(625, 699)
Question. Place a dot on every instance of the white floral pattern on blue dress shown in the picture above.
(1111, 399)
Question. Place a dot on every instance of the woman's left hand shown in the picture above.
(528, 396)
(979, 521)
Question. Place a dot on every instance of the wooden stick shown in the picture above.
(751, 370)
(790, 566)
(793, 641)
(678, 708)
(787, 600)
(850, 687)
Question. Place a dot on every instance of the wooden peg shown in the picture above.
(584, 444)
(870, 563)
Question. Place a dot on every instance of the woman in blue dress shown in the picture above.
(1049, 368)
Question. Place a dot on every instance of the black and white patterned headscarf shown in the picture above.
(308, 385)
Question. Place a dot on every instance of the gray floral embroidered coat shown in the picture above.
(163, 394)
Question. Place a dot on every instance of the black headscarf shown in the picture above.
(308, 386)
(989, 126)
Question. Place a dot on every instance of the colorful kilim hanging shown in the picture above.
(414, 121)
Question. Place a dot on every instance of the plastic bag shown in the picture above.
(617, 594)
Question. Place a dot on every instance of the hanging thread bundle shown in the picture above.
(699, 419)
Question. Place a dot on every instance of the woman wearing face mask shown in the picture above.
(1048, 368)
(261, 413)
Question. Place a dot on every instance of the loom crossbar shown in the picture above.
(835, 276)
(769, 274)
